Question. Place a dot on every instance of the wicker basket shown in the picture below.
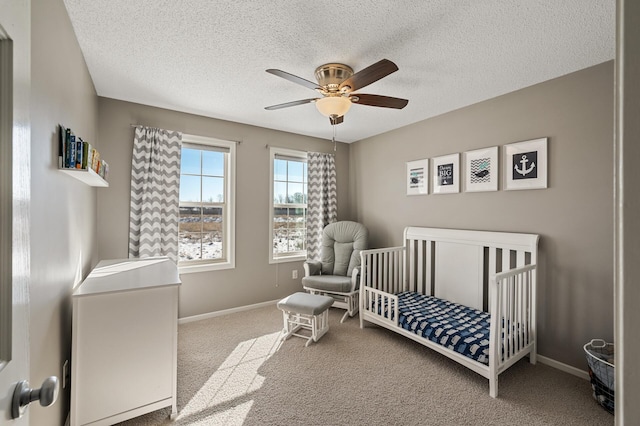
(602, 372)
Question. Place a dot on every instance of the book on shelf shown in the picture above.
(86, 152)
(70, 139)
(75, 153)
(79, 150)
(61, 145)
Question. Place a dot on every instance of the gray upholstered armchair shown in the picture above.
(337, 272)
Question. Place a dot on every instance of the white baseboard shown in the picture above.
(563, 367)
(225, 312)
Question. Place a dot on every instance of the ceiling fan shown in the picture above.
(337, 84)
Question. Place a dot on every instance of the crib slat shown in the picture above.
(508, 322)
(527, 300)
(392, 272)
(518, 329)
(368, 274)
(520, 261)
(374, 266)
(506, 265)
(420, 280)
(429, 270)
(411, 254)
(385, 271)
(399, 268)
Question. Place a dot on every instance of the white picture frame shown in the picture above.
(417, 177)
(526, 164)
(481, 170)
(446, 174)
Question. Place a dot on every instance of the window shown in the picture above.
(288, 211)
(207, 200)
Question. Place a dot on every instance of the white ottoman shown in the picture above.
(306, 311)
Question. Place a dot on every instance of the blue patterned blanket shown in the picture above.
(457, 327)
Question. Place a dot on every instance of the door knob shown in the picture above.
(23, 395)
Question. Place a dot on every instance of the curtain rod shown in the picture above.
(141, 125)
(267, 146)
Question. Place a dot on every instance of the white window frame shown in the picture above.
(273, 152)
(229, 230)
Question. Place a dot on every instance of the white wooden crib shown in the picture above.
(492, 272)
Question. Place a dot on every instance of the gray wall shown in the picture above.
(574, 216)
(63, 209)
(253, 280)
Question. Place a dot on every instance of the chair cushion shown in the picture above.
(305, 303)
(335, 283)
(341, 245)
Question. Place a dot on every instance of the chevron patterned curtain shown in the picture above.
(322, 202)
(155, 193)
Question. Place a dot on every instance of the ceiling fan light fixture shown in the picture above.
(333, 105)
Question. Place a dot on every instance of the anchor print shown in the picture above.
(524, 165)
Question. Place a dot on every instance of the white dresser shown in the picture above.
(125, 339)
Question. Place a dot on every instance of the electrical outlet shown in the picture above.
(294, 274)
(65, 374)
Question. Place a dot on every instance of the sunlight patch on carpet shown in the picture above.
(231, 384)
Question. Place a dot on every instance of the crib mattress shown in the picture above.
(460, 328)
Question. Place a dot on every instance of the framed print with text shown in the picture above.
(446, 174)
(481, 170)
(418, 177)
(526, 164)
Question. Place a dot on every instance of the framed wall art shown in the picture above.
(446, 174)
(418, 177)
(481, 170)
(526, 164)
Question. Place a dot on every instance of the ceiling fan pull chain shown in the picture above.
(334, 137)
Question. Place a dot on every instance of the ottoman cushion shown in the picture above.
(305, 303)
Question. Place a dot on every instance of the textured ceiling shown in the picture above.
(209, 57)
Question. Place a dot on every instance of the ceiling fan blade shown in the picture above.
(336, 120)
(379, 101)
(368, 75)
(290, 104)
(295, 79)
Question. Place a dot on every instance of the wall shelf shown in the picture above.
(87, 176)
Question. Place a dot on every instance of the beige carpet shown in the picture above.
(231, 371)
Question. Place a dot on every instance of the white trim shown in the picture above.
(286, 259)
(206, 140)
(205, 267)
(273, 152)
(201, 317)
(563, 367)
(230, 201)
